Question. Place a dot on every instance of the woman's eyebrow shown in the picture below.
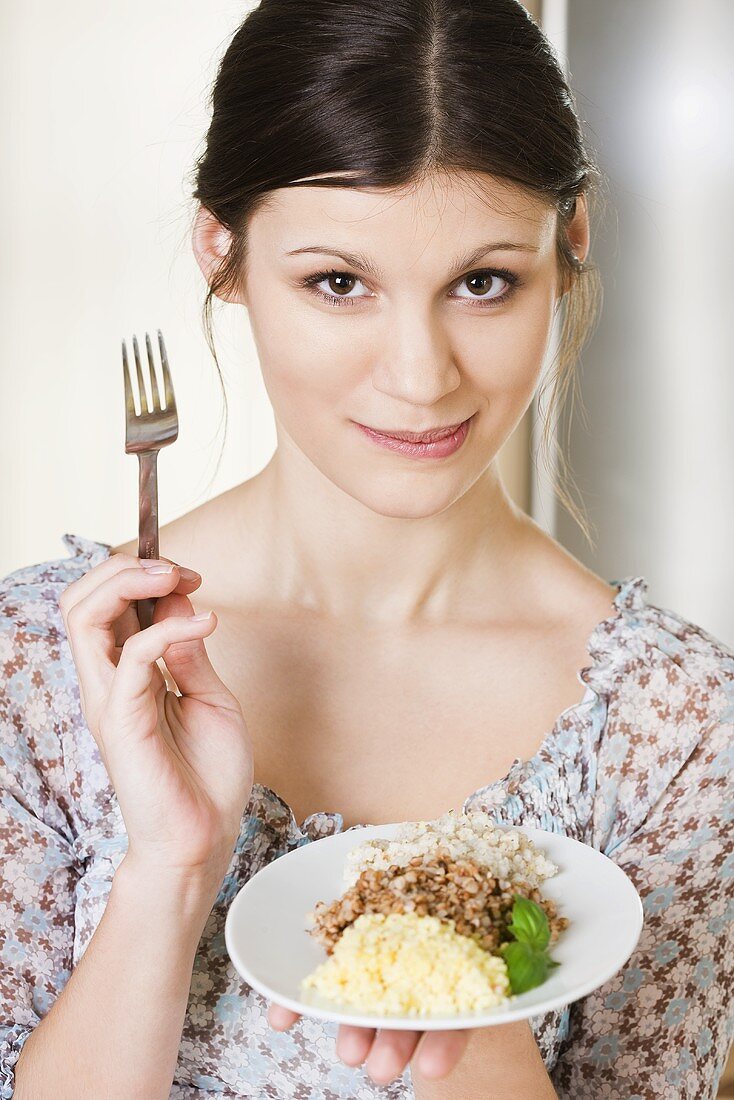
(355, 259)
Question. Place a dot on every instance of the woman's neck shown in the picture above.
(320, 549)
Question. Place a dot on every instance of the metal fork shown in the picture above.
(145, 434)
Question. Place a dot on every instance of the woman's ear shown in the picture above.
(579, 237)
(211, 242)
(578, 229)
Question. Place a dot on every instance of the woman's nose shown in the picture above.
(416, 362)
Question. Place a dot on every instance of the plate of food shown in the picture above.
(452, 923)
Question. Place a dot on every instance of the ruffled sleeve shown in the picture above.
(662, 1027)
(38, 867)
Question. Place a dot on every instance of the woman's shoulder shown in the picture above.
(40, 716)
(657, 653)
(667, 686)
(29, 595)
(34, 650)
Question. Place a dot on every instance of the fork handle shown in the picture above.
(147, 522)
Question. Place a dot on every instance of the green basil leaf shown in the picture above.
(526, 967)
(529, 923)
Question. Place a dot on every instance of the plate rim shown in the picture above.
(484, 1018)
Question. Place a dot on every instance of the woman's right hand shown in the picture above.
(181, 765)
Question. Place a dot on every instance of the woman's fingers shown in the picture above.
(353, 1043)
(439, 1051)
(77, 590)
(390, 1054)
(188, 661)
(81, 588)
(433, 1053)
(89, 620)
(388, 1051)
(280, 1017)
(127, 623)
(131, 683)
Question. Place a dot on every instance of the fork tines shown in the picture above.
(167, 385)
(156, 424)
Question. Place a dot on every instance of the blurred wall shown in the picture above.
(655, 85)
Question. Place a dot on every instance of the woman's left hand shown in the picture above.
(389, 1051)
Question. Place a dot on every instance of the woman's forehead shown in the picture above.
(447, 203)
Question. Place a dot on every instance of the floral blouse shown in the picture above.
(640, 769)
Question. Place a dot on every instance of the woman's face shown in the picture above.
(404, 310)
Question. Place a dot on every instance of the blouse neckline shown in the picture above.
(602, 646)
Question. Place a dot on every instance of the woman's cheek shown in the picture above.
(504, 356)
(528, 341)
(299, 353)
(312, 382)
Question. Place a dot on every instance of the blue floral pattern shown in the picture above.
(640, 769)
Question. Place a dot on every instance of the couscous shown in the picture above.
(409, 965)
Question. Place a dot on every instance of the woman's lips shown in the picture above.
(429, 436)
(437, 448)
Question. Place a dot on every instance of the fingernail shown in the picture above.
(188, 574)
(150, 563)
(201, 616)
(160, 569)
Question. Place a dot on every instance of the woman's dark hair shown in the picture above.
(391, 91)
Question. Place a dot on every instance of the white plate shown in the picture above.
(267, 939)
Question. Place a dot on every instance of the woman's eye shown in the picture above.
(482, 286)
(340, 285)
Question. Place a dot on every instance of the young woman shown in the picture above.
(398, 194)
